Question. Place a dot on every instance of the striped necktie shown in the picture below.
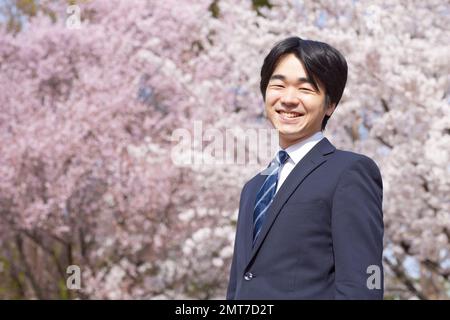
(266, 194)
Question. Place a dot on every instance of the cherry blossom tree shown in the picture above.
(89, 112)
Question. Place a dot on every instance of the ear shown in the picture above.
(330, 109)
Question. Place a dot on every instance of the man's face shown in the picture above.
(293, 106)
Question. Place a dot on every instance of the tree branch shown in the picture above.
(401, 275)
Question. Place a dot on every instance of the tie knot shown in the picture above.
(281, 157)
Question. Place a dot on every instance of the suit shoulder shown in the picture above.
(251, 181)
(349, 159)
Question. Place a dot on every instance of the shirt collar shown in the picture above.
(297, 151)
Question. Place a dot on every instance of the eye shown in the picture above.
(276, 86)
(306, 89)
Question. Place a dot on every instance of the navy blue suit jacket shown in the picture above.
(321, 233)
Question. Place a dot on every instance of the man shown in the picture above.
(311, 225)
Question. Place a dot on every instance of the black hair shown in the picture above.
(322, 63)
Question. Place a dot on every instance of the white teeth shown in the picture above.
(290, 114)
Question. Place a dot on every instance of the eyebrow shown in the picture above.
(283, 78)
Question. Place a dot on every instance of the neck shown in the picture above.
(285, 143)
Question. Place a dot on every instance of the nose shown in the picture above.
(290, 96)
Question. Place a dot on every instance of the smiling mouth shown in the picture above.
(290, 115)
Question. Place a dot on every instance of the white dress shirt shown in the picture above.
(296, 153)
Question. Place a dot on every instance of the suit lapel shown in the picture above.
(249, 208)
(313, 159)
